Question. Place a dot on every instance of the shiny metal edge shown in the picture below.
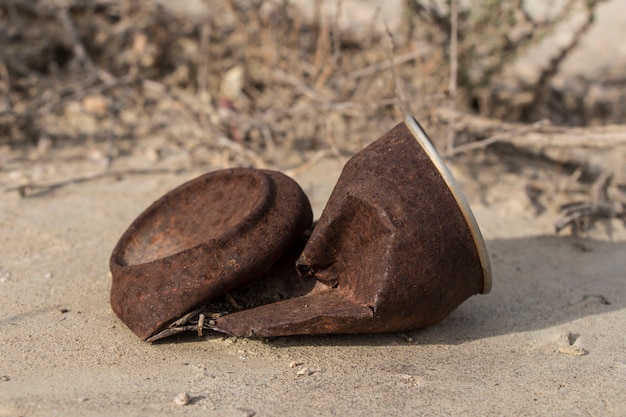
(425, 143)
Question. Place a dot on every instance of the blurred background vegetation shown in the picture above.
(276, 86)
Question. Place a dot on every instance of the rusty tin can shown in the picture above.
(396, 248)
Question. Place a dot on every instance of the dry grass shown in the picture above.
(255, 83)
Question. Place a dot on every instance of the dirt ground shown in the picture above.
(548, 340)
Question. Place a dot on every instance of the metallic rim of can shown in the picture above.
(481, 247)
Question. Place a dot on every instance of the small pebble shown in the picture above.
(246, 412)
(304, 372)
(182, 399)
(406, 338)
(573, 351)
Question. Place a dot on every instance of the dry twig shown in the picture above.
(581, 215)
(373, 69)
(454, 68)
(36, 190)
(509, 136)
(79, 49)
(399, 89)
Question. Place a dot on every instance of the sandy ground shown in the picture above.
(548, 340)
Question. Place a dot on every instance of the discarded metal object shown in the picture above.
(202, 239)
(396, 248)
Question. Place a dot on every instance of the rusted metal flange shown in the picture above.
(206, 237)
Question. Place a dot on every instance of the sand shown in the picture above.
(548, 340)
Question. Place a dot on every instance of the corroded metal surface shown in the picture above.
(206, 237)
(395, 249)
(392, 250)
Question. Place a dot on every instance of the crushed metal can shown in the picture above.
(396, 248)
